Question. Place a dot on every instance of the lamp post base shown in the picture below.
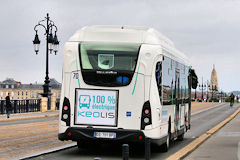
(47, 95)
(46, 90)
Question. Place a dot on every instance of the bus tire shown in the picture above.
(180, 137)
(165, 145)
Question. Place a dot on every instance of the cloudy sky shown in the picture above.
(208, 32)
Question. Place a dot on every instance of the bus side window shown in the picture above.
(158, 75)
(167, 81)
(173, 82)
(186, 83)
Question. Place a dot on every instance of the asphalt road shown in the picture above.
(201, 122)
(24, 137)
(26, 121)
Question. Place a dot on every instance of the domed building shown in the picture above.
(214, 80)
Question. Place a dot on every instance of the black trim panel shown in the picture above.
(86, 134)
(176, 134)
(174, 101)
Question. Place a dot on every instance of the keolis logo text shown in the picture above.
(96, 114)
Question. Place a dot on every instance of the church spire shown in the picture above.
(214, 79)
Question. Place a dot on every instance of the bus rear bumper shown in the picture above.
(87, 134)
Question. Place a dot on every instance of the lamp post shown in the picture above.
(52, 44)
(195, 94)
(202, 87)
(221, 95)
(208, 87)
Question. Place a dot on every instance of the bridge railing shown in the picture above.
(21, 106)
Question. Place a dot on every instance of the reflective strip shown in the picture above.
(136, 79)
(77, 71)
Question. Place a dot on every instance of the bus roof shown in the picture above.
(126, 34)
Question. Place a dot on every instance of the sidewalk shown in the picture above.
(224, 144)
(29, 115)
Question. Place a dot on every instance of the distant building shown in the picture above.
(27, 91)
(214, 79)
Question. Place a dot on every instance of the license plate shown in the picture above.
(104, 135)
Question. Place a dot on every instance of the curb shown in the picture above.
(56, 149)
(197, 142)
(30, 117)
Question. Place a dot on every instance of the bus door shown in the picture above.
(177, 94)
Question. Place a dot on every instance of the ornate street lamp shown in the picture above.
(52, 44)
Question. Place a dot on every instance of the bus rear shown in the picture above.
(102, 93)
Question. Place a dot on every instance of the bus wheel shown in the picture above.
(180, 137)
(165, 145)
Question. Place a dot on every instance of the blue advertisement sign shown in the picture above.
(96, 107)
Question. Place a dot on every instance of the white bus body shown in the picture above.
(123, 84)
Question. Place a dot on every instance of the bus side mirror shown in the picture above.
(194, 78)
(194, 82)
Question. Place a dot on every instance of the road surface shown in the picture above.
(201, 122)
(25, 137)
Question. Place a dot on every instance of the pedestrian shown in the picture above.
(232, 99)
(8, 105)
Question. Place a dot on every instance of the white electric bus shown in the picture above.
(124, 83)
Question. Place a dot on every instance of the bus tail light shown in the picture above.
(146, 115)
(146, 111)
(66, 111)
(65, 108)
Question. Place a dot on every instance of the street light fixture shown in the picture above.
(36, 43)
(56, 43)
(52, 44)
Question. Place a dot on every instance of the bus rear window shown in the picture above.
(109, 56)
(117, 62)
